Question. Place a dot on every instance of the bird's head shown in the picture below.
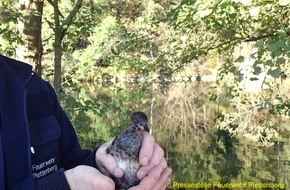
(139, 120)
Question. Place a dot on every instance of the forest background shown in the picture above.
(77, 43)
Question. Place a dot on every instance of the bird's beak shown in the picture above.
(146, 128)
(143, 127)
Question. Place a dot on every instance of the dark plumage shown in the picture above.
(125, 149)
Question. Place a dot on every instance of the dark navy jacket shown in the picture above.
(37, 141)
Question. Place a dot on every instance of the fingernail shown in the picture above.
(118, 172)
(141, 174)
(144, 160)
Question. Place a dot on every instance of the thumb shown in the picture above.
(107, 162)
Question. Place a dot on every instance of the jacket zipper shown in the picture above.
(26, 129)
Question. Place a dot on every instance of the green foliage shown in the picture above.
(84, 113)
(222, 26)
(89, 16)
(159, 39)
(96, 58)
(99, 113)
(8, 32)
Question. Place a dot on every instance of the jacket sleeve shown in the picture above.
(55, 181)
(71, 152)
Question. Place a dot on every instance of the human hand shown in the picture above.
(88, 178)
(106, 162)
(154, 173)
(157, 179)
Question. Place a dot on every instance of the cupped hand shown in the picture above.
(154, 172)
(158, 178)
(106, 162)
(88, 178)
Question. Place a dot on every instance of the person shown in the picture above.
(39, 148)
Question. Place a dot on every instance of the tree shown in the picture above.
(30, 48)
(192, 31)
(60, 27)
(222, 26)
(29, 41)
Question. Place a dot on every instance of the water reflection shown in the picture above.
(183, 123)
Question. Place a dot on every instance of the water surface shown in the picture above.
(184, 123)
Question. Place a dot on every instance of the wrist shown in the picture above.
(56, 180)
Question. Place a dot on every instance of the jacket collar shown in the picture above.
(15, 70)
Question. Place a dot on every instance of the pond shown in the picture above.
(183, 121)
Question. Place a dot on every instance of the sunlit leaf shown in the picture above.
(281, 43)
(254, 12)
(274, 73)
(245, 2)
(280, 60)
(205, 12)
(70, 101)
(278, 53)
(27, 17)
(231, 10)
(269, 62)
(37, 13)
(257, 70)
(240, 59)
(282, 33)
(272, 47)
(260, 43)
(283, 2)
(232, 69)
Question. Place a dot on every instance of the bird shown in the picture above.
(125, 149)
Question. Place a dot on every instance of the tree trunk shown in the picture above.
(57, 63)
(59, 33)
(57, 47)
(30, 50)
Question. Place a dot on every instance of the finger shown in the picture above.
(155, 160)
(149, 181)
(147, 148)
(164, 180)
(163, 163)
(101, 152)
(108, 161)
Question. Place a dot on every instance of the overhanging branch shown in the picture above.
(52, 4)
(249, 39)
(69, 18)
(255, 38)
(50, 24)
